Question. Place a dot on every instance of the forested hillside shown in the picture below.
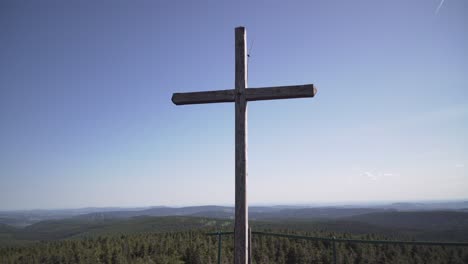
(196, 247)
(79, 228)
(184, 240)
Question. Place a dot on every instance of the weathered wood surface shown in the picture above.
(251, 94)
(241, 210)
(240, 95)
(221, 96)
(280, 92)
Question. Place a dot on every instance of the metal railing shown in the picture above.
(335, 240)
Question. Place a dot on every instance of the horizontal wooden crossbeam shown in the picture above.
(220, 96)
(280, 92)
(251, 94)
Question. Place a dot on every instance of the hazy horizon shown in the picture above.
(298, 204)
(86, 118)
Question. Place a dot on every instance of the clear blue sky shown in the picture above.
(86, 117)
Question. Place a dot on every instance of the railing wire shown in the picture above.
(335, 240)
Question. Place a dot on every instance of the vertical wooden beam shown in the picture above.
(241, 211)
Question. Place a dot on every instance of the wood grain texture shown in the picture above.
(220, 96)
(241, 95)
(251, 94)
(280, 92)
(241, 209)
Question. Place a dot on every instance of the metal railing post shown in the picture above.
(219, 247)
(334, 250)
(250, 246)
(333, 240)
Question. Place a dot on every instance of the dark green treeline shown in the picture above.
(195, 247)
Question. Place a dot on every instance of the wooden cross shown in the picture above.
(240, 95)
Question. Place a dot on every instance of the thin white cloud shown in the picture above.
(370, 175)
(459, 165)
(374, 176)
(440, 5)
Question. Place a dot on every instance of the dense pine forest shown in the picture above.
(194, 246)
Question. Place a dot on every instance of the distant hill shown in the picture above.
(159, 211)
(215, 214)
(76, 228)
(423, 225)
(427, 206)
(21, 218)
(24, 218)
(4, 228)
(432, 225)
(313, 213)
(255, 213)
(433, 220)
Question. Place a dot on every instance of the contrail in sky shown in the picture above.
(440, 5)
